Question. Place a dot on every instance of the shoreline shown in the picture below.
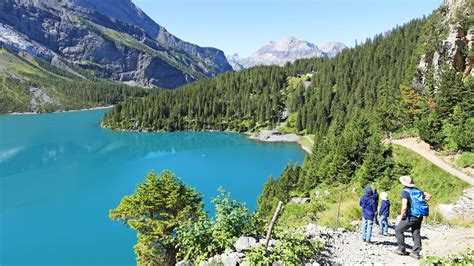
(59, 112)
(274, 136)
(268, 136)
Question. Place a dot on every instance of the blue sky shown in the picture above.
(243, 26)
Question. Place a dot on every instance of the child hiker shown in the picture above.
(384, 214)
(369, 208)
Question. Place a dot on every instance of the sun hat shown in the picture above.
(407, 181)
(383, 195)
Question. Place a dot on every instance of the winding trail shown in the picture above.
(423, 149)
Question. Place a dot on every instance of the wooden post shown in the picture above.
(339, 209)
(270, 227)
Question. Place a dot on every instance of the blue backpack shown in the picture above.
(419, 205)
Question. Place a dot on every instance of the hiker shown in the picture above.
(384, 213)
(376, 199)
(369, 208)
(414, 208)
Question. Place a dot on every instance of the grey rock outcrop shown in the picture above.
(463, 209)
(245, 243)
(300, 200)
(456, 39)
(111, 38)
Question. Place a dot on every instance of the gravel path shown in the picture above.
(424, 150)
(347, 248)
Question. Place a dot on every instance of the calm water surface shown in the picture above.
(60, 174)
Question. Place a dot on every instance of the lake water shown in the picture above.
(60, 174)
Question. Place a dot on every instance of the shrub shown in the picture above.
(290, 249)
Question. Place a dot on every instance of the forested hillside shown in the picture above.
(29, 84)
(354, 80)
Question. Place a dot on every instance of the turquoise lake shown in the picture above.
(60, 174)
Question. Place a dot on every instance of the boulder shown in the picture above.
(231, 258)
(311, 230)
(317, 194)
(300, 200)
(245, 243)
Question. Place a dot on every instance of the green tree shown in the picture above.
(197, 241)
(451, 92)
(430, 129)
(157, 207)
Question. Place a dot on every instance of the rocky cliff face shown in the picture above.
(450, 42)
(110, 38)
(286, 50)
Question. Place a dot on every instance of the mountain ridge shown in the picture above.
(114, 39)
(283, 51)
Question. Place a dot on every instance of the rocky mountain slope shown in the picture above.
(286, 50)
(449, 43)
(110, 39)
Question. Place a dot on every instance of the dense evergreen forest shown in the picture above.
(257, 97)
(35, 85)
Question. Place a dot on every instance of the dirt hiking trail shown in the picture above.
(425, 151)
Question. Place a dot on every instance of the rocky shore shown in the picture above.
(274, 136)
(64, 111)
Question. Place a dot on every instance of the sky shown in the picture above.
(243, 26)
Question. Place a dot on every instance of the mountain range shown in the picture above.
(286, 50)
(108, 39)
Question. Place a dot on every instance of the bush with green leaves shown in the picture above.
(290, 249)
(207, 237)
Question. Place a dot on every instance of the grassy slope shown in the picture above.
(444, 187)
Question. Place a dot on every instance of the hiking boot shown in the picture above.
(400, 252)
(415, 255)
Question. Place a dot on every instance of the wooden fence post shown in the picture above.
(270, 227)
(339, 209)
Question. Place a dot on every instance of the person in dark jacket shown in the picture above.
(384, 213)
(369, 208)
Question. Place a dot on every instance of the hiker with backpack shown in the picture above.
(369, 208)
(414, 208)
